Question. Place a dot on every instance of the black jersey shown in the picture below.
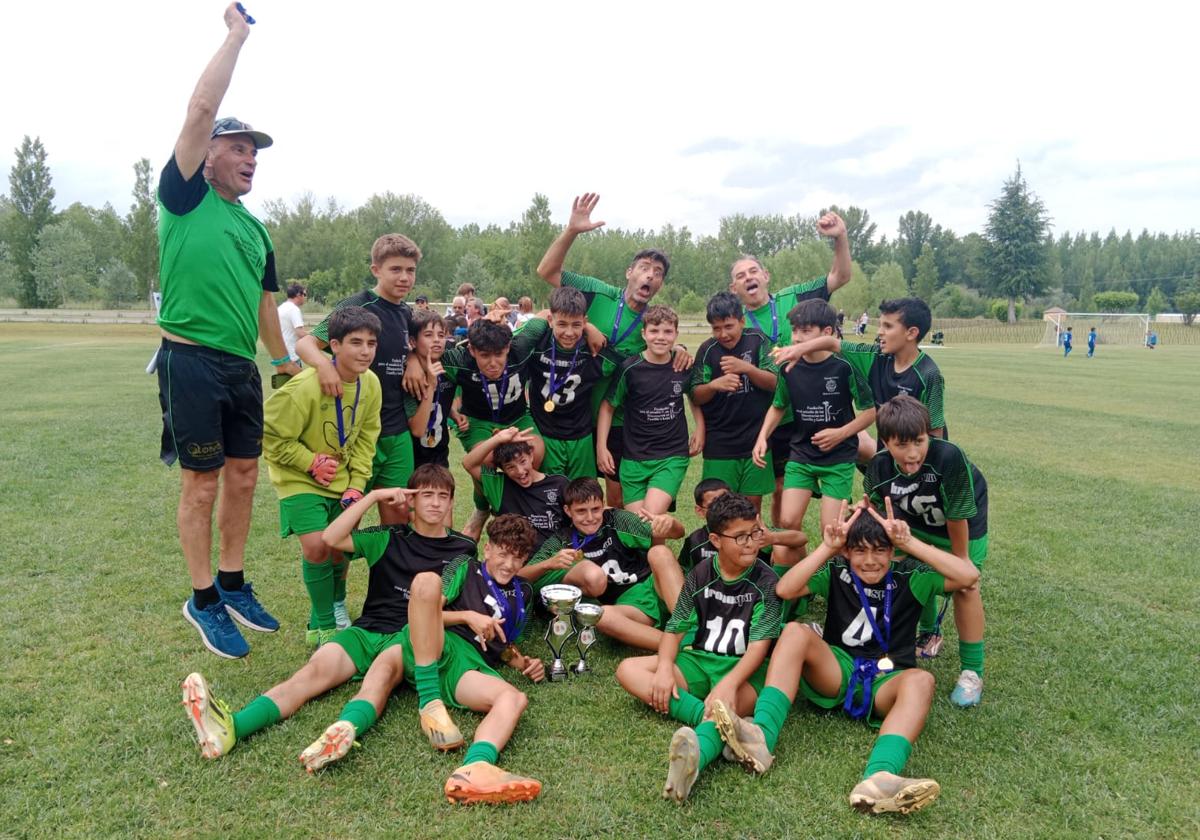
(947, 486)
(655, 409)
(391, 354)
(846, 623)
(541, 502)
(724, 616)
(698, 549)
(396, 555)
(618, 547)
(732, 420)
(466, 590)
(432, 444)
(576, 374)
(821, 396)
(500, 401)
(921, 380)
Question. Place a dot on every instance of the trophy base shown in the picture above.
(558, 672)
(581, 667)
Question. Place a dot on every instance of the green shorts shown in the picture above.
(572, 458)
(458, 657)
(364, 646)
(977, 548)
(741, 474)
(665, 474)
(643, 597)
(393, 462)
(481, 430)
(307, 513)
(835, 481)
(702, 670)
(846, 663)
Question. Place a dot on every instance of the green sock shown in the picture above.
(318, 580)
(890, 753)
(426, 678)
(710, 742)
(688, 709)
(770, 712)
(339, 580)
(970, 654)
(929, 615)
(258, 714)
(361, 713)
(481, 751)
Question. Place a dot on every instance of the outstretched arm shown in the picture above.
(551, 266)
(794, 583)
(831, 225)
(791, 354)
(192, 146)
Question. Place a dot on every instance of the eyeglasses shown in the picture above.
(744, 540)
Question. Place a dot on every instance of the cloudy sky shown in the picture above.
(674, 112)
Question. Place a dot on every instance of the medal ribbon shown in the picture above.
(866, 669)
(487, 395)
(552, 385)
(774, 334)
(637, 319)
(342, 435)
(579, 541)
(433, 410)
(512, 622)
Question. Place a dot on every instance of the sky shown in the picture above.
(674, 112)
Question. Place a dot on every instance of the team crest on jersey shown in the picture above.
(830, 385)
(929, 478)
(552, 496)
(677, 388)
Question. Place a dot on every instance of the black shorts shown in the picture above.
(616, 448)
(781, 445)
(212, 406)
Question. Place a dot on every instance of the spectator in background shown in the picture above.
(863, 320)
(291, 320)
(505, 312)
(524, 309)
(421, 302)
(475, 310)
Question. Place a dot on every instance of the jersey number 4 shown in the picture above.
(734, 635)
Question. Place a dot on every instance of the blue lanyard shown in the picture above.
(884, 639)
(865, 669)
(579, 541)
(637, 319)
(512, 623)
(554, 386)
(487, 395)
(353, 411)
(774, 320)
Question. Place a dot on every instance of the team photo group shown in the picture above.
(576, 424)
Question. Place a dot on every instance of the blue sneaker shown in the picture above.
(968, 691)
(243, 606)
(219, 633)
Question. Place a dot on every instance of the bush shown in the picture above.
(956, 301)
(998, 309)
(1189, 304)
(691, 304)
(1116, 301)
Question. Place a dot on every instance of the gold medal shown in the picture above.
(578, 555)
(548, 406)
(885, 664)
(430, 442)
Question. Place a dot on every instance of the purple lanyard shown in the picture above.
(865, 670)
(552, 385)
(487, 395)
(512, 623)
(612, 337)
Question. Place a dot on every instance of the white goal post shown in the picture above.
(1111, 327)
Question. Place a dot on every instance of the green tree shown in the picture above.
(118, 284)
(536, 231)
(1016, 234)
(32, 200)
(141, 226)
(63, 266)
(1116, 301)
(1188, 303)
(925, 280)
(471, 269)
(8, 275)
(860, 233)
(1156, 302)
(913, 230)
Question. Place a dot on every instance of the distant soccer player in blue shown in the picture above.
(1092, 342)
(1066, 340)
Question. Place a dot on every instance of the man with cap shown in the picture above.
(218, 276)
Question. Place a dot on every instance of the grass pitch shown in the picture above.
(1088, 725)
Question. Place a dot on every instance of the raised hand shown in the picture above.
(236, 21)
(394, 496)
(836, 531)
(581, 214)
(897, 529)
(831, 225)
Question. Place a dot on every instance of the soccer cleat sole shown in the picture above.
(328, 748)
(683, 765)
(460, 791)
(912, 797)
(187, 615)
(727, 728)
(196, 699)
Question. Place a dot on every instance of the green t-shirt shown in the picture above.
(216, 260)
(772, 317)
(605, 303)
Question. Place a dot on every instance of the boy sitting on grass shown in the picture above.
(617, 558)
(319, 450)
(368, 650)
(726, 619)
(864, 662)
(943, 498)
(656, 442)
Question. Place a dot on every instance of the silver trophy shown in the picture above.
(560, 599)
(586, 616)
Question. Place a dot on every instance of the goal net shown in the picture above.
(1111, 328)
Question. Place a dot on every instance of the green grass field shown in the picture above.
(1088, 726)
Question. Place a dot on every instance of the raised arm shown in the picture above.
(337, 533)
(959, 572)
(192, 146)
(551, 266)
(831, 225)
(474, 460)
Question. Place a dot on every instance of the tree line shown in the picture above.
(1015, 266)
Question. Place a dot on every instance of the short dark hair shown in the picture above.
(488, 336)
(350, 319)
(724, 305)
(726, 509)
(582, 490)
(506, 453)
(652, 254)
(902, 418)
(567, 300)
(513, 533)
(431, 476)
(812, 313)
(707, 486)
(295, 290)
(866, 532)
(659, 314)
(913, 312)
(422, 318)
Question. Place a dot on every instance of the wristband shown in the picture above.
(281, 361)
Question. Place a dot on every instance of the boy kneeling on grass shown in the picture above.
(865, 661)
